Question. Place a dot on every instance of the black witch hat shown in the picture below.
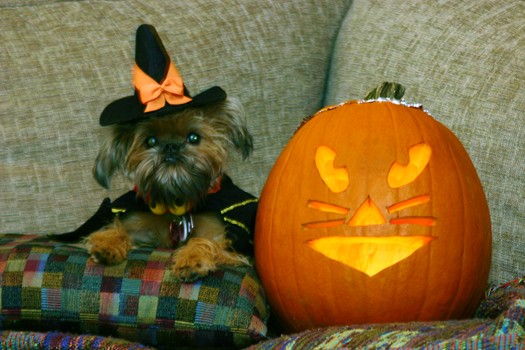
(159, 88)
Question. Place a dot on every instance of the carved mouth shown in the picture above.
(369, 255)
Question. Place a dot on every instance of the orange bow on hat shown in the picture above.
(158, 85)
(155, 95)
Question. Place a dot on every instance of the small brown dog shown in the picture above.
(174, 148)
(174, 161)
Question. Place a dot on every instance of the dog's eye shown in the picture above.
(193, 138)
(152, 141)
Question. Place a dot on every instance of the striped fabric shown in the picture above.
(499, 324)
(47, 286)
(21, 340)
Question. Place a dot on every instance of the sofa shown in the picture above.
(62, 62)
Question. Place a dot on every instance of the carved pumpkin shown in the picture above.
(372, 213)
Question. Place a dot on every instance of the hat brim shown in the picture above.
(130, 109)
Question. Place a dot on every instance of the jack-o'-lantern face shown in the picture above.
(373, 212)
(370, 255)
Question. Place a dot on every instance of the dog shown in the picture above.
(174, 148)
(174, 161)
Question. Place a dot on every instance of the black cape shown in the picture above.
(236, 207)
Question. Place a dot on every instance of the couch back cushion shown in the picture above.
(63, 62)
(464, 63)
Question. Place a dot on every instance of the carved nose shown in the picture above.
(367, 214)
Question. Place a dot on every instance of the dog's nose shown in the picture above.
(171, 152)
(171, 147)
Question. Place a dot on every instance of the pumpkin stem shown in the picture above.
(386, 90)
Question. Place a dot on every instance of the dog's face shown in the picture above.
(175, 159)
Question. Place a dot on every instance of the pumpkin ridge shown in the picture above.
(395, 131)
(452, 155)
(278, 180)
(463, 185)
(309, 310)
(415, 114)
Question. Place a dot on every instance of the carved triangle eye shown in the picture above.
(401, 175)
(336, 179)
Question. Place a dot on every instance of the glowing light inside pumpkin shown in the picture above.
(367, 214)
(335, 178)
(327, 207)
(401, 175)
(324, 224)
(369, 255)
(417, 220)
(411, 202)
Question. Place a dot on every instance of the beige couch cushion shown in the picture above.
(63, 62)
(464, 61)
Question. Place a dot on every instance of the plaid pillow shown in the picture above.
(46, 286)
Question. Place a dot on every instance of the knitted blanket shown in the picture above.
(13, 340)
(499, 323)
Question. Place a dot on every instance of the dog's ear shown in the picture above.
(239, 134)
(112, 155)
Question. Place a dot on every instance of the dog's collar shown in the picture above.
(180, 229)
(182, 226)
(159, 209)
(177, 210)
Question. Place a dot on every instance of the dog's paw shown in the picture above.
(190, 265)
(109, 247)
(201, 256)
